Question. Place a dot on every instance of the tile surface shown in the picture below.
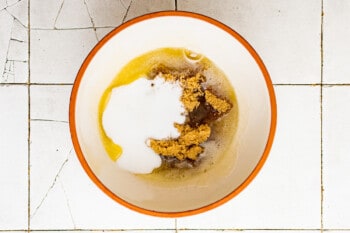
(50, 103)
(108, 12)
(336, 122)
(42, 46)
(14, 42)
(43, 14)
(65, 198)
(286, 193)
(141, 7)
(286, 34)
(59, 63)
(250, 231)
(336, 41)
(13, 157)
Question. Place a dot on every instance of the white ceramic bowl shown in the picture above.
(231, 53)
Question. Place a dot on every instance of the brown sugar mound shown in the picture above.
(192, 88)
(220, 105)
(186, 145)
(202, 107)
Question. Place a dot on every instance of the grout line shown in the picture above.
(51, 84)
(99, 230)
(176, 229)
(275, 84)
(312, 84)
(248, 229)
(186, 229)
(77, 28)
(13, 84)
(28, 90)
(321, 114)
(13, 230)
(296, 84)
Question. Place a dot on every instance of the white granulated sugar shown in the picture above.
(138, 111)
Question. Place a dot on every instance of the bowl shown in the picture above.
(254, 94)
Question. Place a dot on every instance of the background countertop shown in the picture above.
(305, 183)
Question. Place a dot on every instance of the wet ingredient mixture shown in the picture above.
(136, 111)
(166, 111)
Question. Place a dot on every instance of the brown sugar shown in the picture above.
(200, 104)
(186, 145)
(220, 105)
(192, 88)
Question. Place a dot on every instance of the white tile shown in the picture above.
(18, 51)
(336, 41)
(13, 157)
(13, 49)
(68, 17)
(286, 193)
(21, 72)
(251, 231)
(148, 231)
(101, 32)
(3, 4)
(67, 190)
(114, 215)
(19, 10)
(15, 72)
(6, 22)
(141, 7)
(285, 33)
(50, 147)
(11, 231)
(47, 214)
(108, 231)
(337, 231)
(19, 32)
(12, 2)
(336, 160)
(107, 12)
(43, 14)
(56, 55)
(50, 103)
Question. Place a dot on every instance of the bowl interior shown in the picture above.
(226, 50)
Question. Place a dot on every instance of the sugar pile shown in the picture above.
(138, 111)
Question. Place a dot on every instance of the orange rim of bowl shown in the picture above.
(223, 200)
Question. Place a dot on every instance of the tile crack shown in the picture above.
(71, 28)
(123, 4)
(7, 5)
(16, 19)
(91, 20)
(20, 41)
(127, 11)
(49, 120)
(58, 14)
(68, 205)
(7, 52)
(52, 185)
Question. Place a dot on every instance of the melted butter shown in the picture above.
(136, 68)
(178, 58)
(113, 150)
